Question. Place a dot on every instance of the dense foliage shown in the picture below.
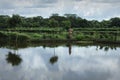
(54, 21)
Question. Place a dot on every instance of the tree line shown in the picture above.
(54, 21)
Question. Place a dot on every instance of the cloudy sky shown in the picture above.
(89, 9)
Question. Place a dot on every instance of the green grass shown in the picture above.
(85, 34)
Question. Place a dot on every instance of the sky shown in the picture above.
(88, 9)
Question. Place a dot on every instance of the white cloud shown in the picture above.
(90, 9)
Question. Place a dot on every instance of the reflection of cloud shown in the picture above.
(83, 64)
(88, 75)
(33, 57)
(88, 66)
(80, 65)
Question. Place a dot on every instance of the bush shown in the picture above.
(18, 36)
(36, 35)
(79, 36)
(3, 34)
(23, 37)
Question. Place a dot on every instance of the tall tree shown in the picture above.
(15, 21)
(53, 23)
(4, 21)
(66, 24)
(115, 22)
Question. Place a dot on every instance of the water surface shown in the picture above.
(60, 63)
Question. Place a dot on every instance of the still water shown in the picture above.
(60, 63)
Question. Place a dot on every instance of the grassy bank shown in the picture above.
(51, 35)
(17, 45)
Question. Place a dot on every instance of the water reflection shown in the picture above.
(106, 48)
(70, 49)
(54, 58)
(13, 59)
(60, 63)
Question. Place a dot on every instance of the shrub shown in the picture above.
(79, 36)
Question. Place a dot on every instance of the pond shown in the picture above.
(71, 62)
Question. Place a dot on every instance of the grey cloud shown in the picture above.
(40, 6)
(49, 1)
(101, 1)
(106, 1)
(8, 4)
(89, 9)
(77, 0)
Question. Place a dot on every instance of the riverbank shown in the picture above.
(49, 43)
(77, 38)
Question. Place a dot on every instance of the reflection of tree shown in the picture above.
(69, 48)
(54, 59)
(106, 48)
(13, 58)
(44, 46)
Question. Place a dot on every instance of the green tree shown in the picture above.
(66, 24)
(70, 15)
(73, 18)
(58, 18)
(53, 23)
(15, 21)
(105, 24)
(115, 22)
(4, 21)
(95, 24)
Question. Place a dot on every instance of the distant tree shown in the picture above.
(66, 24)
(105, 24)
(83, 23)
(76, 21)
(37, 21)
(53, 23)
(71, 20)
(55, 14)
(4, 21)
(70, 15)
(95, 24)
(58, 18)
(15, 20)
(115, 22)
